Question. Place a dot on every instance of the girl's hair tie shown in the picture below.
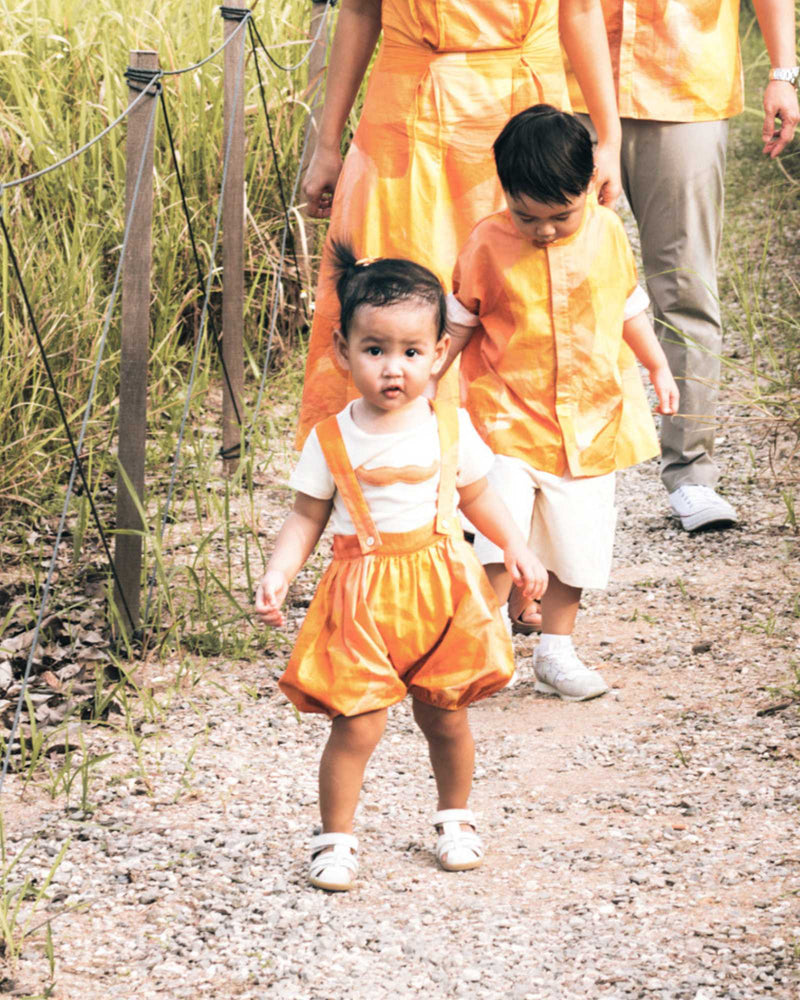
(364, 262)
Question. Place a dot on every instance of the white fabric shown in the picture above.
(399, 506)
(636, 303)
(549, 642)
(457, 313)
(570, 521)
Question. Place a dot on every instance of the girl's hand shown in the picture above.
(526, 571)
(320, 181)
(270, 595)
(666, 390)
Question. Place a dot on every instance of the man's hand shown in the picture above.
(608, 182)
(780, 102)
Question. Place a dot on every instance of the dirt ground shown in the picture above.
(640, 845)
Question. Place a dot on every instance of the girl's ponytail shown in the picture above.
(381, 281)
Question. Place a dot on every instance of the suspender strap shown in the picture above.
(447, 419)
(330, 438)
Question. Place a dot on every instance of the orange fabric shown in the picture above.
(674, 62)
(550, 380)
(420, 173)
(332, 444)
(415, 614)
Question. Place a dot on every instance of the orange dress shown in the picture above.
(420, 173)
(405, 611)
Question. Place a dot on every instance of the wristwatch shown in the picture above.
(787, 74)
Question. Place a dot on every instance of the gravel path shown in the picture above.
(644, 845)
(641, 845)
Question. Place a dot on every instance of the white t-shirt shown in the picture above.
(398, 473)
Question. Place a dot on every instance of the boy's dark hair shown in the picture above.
(381, 282)
(544, 154)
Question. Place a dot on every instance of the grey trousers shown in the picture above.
(673, 176)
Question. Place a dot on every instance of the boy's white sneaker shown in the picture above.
(701, 507)
(561, 672)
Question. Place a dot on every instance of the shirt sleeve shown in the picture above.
(456, 313)
(475, 457)
(467, 286)
(311, 475)
(636, 303)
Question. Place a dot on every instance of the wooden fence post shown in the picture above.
(233, 242)
(134, 348)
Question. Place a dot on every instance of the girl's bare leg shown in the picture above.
(341, 769)
(452, 752)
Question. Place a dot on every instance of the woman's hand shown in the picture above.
(320, 181)
(608, 182)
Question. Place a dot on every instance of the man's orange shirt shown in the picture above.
(550, 380)
(673, 60)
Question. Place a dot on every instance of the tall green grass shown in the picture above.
(61, 81)
(761, 282)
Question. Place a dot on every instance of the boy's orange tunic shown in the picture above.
(676, 61)
(420, 173)
(550, 380)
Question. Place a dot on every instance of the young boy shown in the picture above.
(548, 314)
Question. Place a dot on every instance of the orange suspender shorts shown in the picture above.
(403, 611)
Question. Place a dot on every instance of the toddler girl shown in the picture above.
(405, 605)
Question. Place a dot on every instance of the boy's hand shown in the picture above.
(526, 571)
(270, 594)
(666, 390)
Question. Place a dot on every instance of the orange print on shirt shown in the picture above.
(388, 475)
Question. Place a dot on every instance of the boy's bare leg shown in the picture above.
(341, 769)
(452, 752)
(560, 605)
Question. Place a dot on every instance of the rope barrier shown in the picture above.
(203, 321)
(287, 228)
(77, 465)
(214, 54)
(312, 42)
(282, 260)
(147, 77)
(198, 265)
(86, 146)
(148, 84)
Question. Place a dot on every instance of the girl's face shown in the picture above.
(391, 352)
(543, 223)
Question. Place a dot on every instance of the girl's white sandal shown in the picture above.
(457, 850)
(333, 869)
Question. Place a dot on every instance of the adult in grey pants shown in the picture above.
(678, 82)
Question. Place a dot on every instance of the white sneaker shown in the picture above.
(701, 507)
(561, 672)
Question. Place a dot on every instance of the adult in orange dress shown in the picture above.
(419, 172)
(678, 72)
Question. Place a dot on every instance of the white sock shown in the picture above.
(549, 643)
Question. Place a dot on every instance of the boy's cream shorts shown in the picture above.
(570, 521)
